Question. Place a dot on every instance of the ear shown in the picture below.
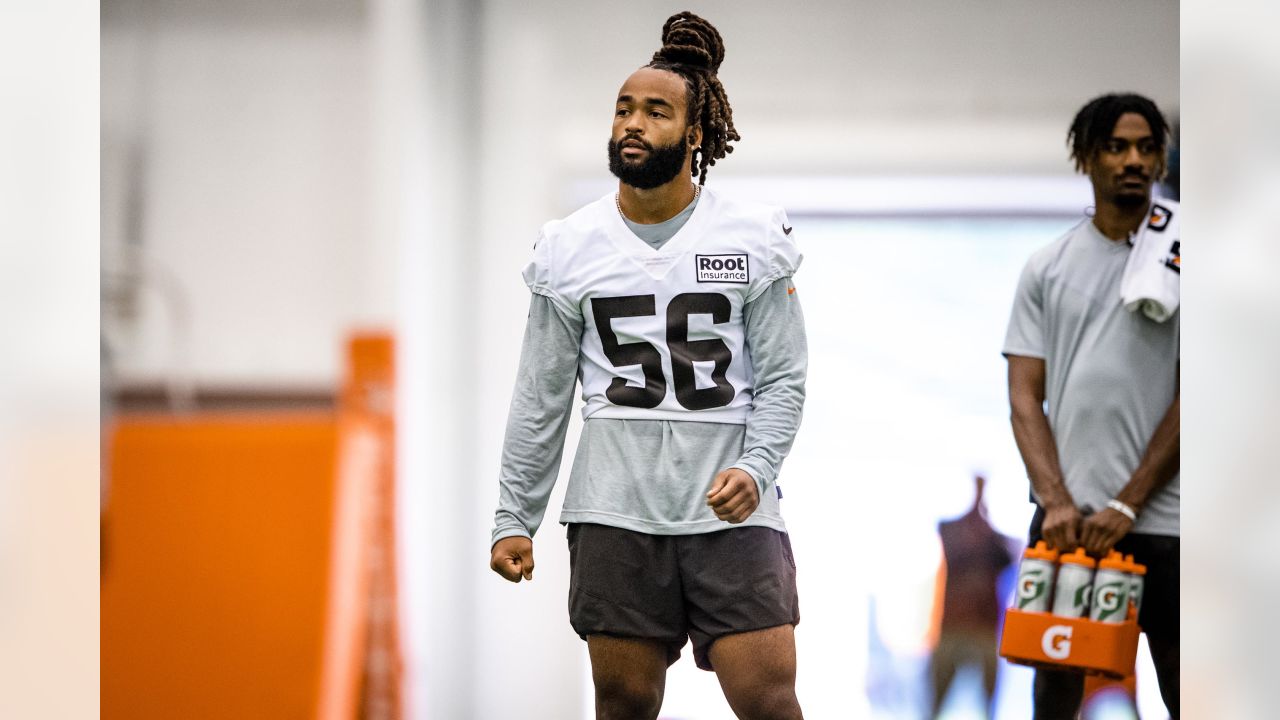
(1161, 170)
(694, 135)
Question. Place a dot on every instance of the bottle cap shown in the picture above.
(1079, 557)
(1041, 552)
(1133, 567)
(1115, 561)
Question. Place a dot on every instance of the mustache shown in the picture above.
(634, 142)
(1134, 175)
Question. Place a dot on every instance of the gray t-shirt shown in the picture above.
(658, 234)
(647, 475)
(1110, 374)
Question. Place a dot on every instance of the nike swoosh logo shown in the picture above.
(786, 230)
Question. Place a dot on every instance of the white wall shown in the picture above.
(251, 132)
(869, 87)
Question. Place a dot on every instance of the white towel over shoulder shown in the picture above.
(1151, 275)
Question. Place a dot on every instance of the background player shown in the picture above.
(974, 556)
(1103, 463)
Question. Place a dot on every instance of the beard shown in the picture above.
(659, 168)
(1129, 198)
(1126, 195)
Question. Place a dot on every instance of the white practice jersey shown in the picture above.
(663, 337)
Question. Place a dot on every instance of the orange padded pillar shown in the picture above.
(216, 566)
(249, 560)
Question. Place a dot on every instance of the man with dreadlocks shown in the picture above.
(1103, 461)
(674, 306)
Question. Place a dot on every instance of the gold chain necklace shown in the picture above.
(617, 199)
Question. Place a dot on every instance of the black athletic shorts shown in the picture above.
(1159, 613)
(672, 587)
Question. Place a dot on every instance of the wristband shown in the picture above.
(1123, 509)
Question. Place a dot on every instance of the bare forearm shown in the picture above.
(1160, 462)
(1040, 453)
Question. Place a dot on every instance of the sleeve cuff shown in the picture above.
(758, 471)
(504, 533)
(1022, 352)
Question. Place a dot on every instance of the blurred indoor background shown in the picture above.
(314, 214)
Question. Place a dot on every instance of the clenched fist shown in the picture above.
(733, 496)
(512, 558)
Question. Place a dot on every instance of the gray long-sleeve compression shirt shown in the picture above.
(647, 475)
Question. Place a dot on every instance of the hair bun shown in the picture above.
(689, 40)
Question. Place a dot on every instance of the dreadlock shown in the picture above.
(693, 49)
(1092, 126)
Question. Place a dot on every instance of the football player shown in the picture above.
(674, 305)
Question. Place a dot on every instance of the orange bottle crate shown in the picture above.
(1047, 640)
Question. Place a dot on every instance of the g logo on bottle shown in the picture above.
(1056, 642)
(1109, 600)
(1032, 587)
